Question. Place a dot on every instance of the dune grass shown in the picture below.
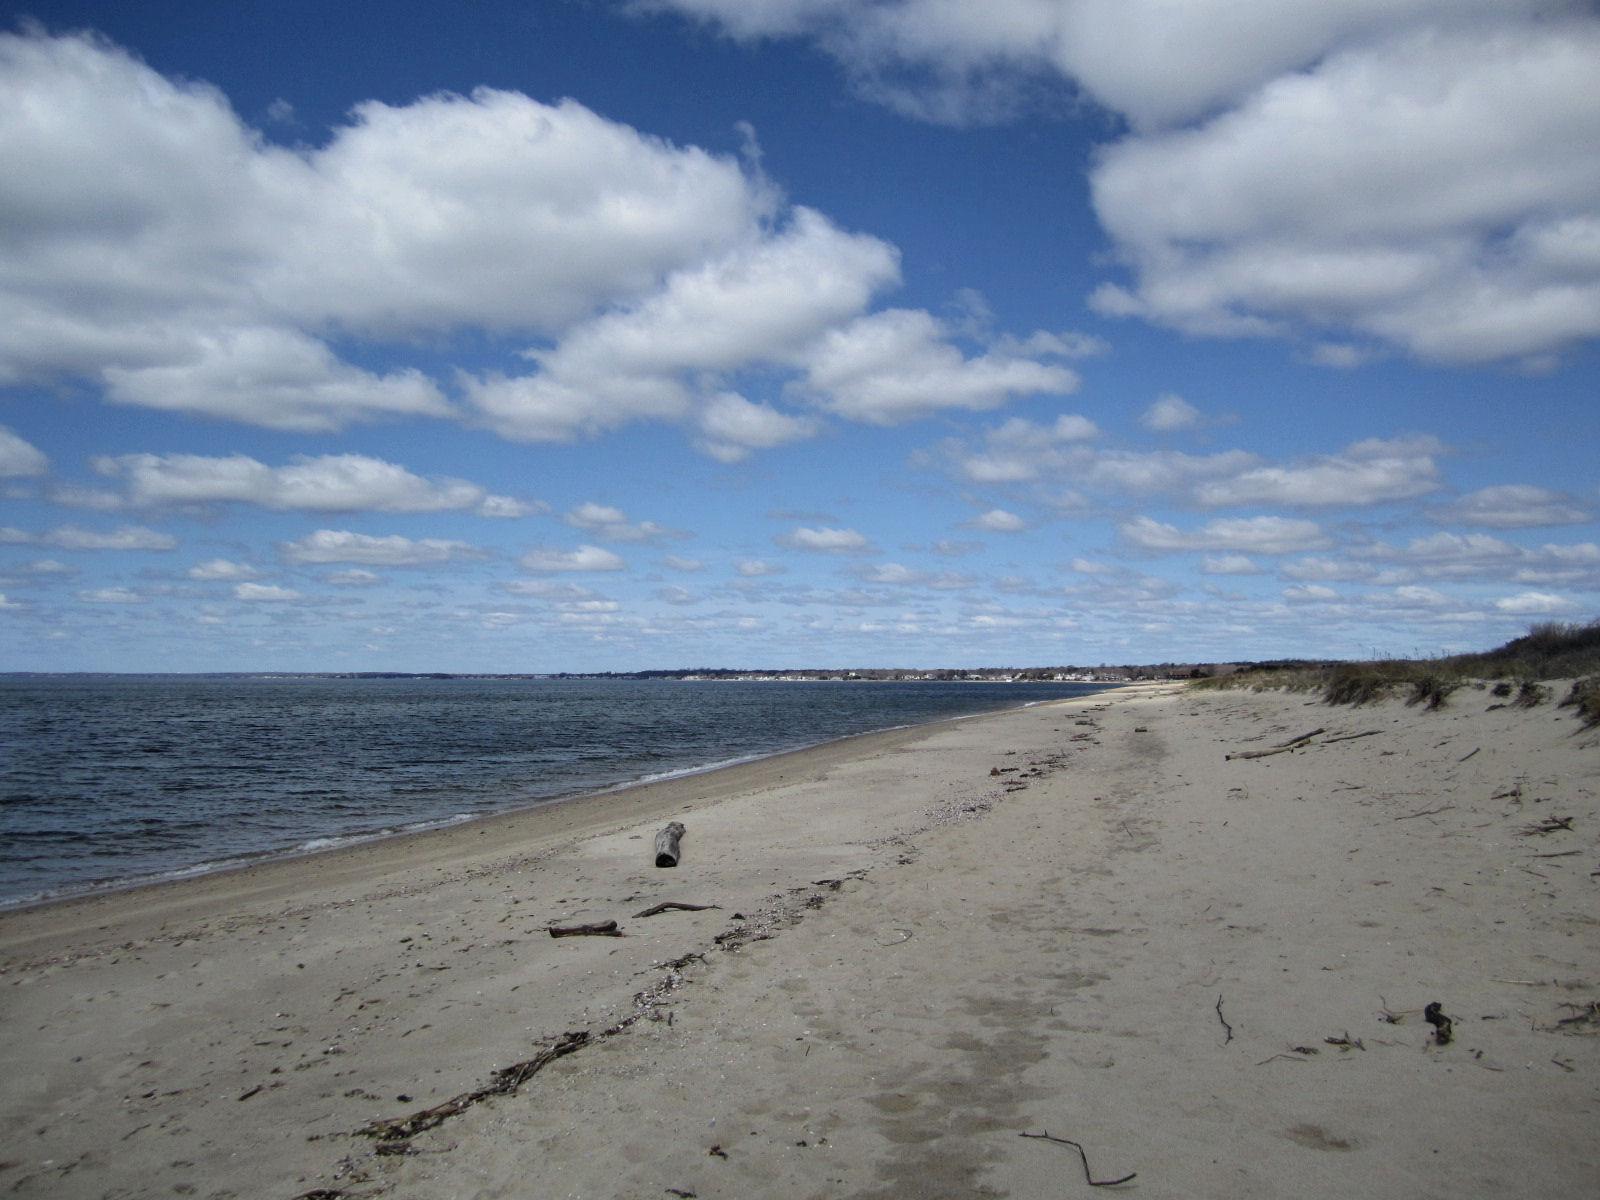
(1548, 651)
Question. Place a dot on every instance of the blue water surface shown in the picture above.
(109, 779)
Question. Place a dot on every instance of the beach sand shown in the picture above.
(1079, 918)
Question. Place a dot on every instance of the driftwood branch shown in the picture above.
(1092, 1181)
(503, 1082)
(598, 929)
(673, 906)
(1350, 737)
(1468, 755)
(667, 844)
(1304, 737)
(1281, 748)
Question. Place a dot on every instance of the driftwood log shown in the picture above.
(598, 929)
(667, 844)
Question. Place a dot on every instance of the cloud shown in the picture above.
(354, 577)
(508, 507)
(646, 276)
(331, 483)
(1309, 593)
(1284, 215)
(1252, 535)
(1146, 473)
(1154, 62)
(584, 558)
(612, 525)
(897, 366)
(341, 546)
(1171, 413)
(760, 302)
(392, 227)
(1534, 604)
(1457, 556)
(1256, 192)
(899, 575)
(1327, 569)
(1229, 564)
(547, 589)
(1019, 450)
(1513, 506)
(997, 520)
(18, 458)
(71, 537)
(755, 568)
(264, 593)
(734, 426)
(111, 595)
(674, 562)
(1369, 472)
(94, 499)
(222, 569)
(826, 540)
(277, 378)
(1448, 548)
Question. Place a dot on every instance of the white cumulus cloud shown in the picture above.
(1358, 173)
(997, 520)
(266, 593)
(584, 558)
(826, 540)
(1370, 472)
(330, 483)
(161, 248)
(1514, 506)
(1534, 604)
(222, 569)
(19, 458)
(1171, 413)
(612, 524)
(898, 365)
(72, 537)
(393, 550)
(1248, 535)
(1285, 214)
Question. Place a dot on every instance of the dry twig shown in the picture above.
(673, 906)
(1427, 812)
(1224, 1020)
(1093, 1182)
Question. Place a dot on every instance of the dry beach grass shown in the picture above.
(1079, 918)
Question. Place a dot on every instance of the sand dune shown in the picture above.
(1080, 918)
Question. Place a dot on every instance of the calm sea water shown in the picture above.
(108, 780)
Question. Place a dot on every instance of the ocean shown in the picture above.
(110, 780)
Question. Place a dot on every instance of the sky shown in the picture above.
(566, 335)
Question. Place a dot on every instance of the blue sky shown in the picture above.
(610, 335)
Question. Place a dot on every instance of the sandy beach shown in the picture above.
(1082, 918)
